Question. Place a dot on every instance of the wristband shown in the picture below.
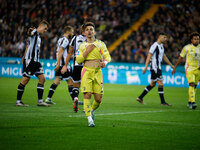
(105, 62)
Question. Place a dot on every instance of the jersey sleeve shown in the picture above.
(79, 54)
(73, 41)
(183, 52)
(152, 48)
(105, 52)
(64, 43)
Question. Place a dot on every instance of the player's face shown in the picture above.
(163, 38)
(43, 28)
(89, 31)
(195, 40)
(71, 33)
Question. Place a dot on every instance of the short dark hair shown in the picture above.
(88, 24)
(162, 33)
(194, 34)
(67, 28)
(44, 22)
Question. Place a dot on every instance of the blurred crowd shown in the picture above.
(111, 17)
(177, 19)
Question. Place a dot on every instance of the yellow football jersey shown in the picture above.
(100, 52)
(192, 54)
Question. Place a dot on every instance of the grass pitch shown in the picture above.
(121, 122)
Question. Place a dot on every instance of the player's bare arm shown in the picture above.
(177, 63)
(58, 58)
(70, 52)
(167, 61)
(147, 63)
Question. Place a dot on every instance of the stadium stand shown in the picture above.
(177, 18)
(111, 18)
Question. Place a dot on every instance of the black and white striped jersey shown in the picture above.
(157, 51)
(75, 42)
(33, 51)
(64, 43)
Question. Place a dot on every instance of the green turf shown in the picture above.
(121, 122)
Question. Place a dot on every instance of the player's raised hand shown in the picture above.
(64, 69)
(57, 67)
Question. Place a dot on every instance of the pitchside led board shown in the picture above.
(116, 73)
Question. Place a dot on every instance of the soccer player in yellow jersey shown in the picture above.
(192, 66)
(95, 56)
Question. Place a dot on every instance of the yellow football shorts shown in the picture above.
(91, 80)
(193, 76)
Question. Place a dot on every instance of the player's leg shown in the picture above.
(148, 88)
(28, 71)
(70, 88)
(68, 77)
(96, 103)
(52, 90)
(191, 91)
(87, 108)
(20, 91)
(87, 78)
(197, 79)
(76, 76)
(40, 87)
(40, 90)
(161, 93)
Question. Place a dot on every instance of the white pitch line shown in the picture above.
(125, 113)
(153, 121)
(134, 112)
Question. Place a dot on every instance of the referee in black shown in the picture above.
(31, 64)
(155, 57)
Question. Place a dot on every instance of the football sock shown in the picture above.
(70, 87)
(89, 118)
(40, 90)
(75, 92)
(87, 107)
(95, 105)
(191, 93)
(52, 90)
(146, 90)
(20, 91)
(161, 93)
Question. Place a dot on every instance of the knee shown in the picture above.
(192, 84)
(98, 98)
(87, 95)
(153, 84)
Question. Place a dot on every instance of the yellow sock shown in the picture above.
(87, 107)
(191, 94)
(95, 105)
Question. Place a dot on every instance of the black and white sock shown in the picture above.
(161, 93)
(52, 90)
(70, 87)
(75, 92)
(146, 90)
(40, 90)
(20, 91)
